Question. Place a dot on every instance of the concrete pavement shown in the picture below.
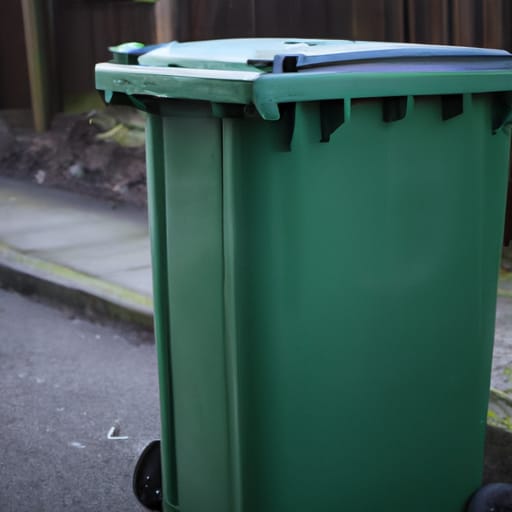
(76, 248)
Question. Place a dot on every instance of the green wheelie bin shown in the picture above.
(326, 221)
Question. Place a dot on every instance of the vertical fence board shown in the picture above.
(85, 28)
(507, 23)
(368, 21)
(394, 13)
(165, 14)
(493, 26)
(213, 19)
(353, 19)
(36, 23)
(14, 84)
(338, 19)
(428, 22)
(83, 32)
(74, 45)
(290, 18)
(465, 22)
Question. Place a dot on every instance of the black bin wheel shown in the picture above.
(492, 498)
(147, 477)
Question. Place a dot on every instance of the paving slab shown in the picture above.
(56, 238)
(103, 258)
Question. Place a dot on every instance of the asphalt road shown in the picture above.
(64, 383)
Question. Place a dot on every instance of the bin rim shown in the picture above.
(267, 91)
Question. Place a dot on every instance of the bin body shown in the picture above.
(325, 311)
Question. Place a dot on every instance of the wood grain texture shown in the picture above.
(165, 29)
(35, 24)
(14, 83)
(363, 19)
(428, 21)
(466, 19)
(494, 29)
(213, 19)
(84, 30)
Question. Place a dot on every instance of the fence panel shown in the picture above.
(214, 19)
(83, 32)
(14, 85)
(361, 19)
(428, 22)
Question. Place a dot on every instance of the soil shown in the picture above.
(70, 155)
(498, 456)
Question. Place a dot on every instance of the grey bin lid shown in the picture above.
(310, 55)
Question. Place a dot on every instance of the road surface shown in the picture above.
(65, 382)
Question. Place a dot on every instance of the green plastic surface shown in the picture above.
(158, 230)
(330, 346)
(324, 311)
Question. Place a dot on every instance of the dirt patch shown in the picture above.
(100, 154)
(498, 456)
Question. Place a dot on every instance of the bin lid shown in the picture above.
(271, 54)
(266, 72)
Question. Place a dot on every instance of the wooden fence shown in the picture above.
(81, 30)
(14, 86)
(77, 35)
(466, 22)
(85, 29)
